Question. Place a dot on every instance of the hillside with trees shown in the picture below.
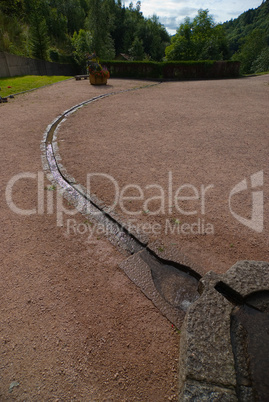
(60, 30)
(64, 31)
(248, 38)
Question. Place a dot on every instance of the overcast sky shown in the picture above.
(171, 13)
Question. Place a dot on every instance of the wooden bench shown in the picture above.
(80, 77)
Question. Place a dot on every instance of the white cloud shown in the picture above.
(172, 13)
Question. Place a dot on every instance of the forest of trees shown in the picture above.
(248, 38)
(57, 30)
(64, 30)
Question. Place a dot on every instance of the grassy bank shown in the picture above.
(13, 85)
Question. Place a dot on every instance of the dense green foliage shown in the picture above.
(64, 30)
(248, 38)
(56, 29)
(245, 39)
(199, 39)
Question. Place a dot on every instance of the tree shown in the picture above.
(82, 44)
(57, 25)
(200, 39)
(182, 46)
(39, 38)
(132, 20)
(117, 30)
(261, 64)
(98, 25)
(39, 41)
(238, 29)
(75, 15)
(12, 34)
(137, 50)
(155, 37)
(12, 7)
(252, 47)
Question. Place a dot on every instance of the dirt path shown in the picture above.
(199, 140)
(73, 327)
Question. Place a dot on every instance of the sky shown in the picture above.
(172, 13)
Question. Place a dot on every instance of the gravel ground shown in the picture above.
(73, 326)
(176, 140)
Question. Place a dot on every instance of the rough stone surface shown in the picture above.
(206, 351)
(248, 276)
(197, 392)
(139, 272)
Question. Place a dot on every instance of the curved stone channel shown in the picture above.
(171, 286)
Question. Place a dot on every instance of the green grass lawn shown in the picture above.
(13, 85)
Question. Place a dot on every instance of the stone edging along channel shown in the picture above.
(143, 265)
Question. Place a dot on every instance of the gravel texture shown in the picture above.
(73, 326)
(210, 135)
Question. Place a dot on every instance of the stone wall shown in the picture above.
(12, 65)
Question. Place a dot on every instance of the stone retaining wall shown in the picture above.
(12, 65)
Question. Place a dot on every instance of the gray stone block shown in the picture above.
(197, 392)
(206, 353)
